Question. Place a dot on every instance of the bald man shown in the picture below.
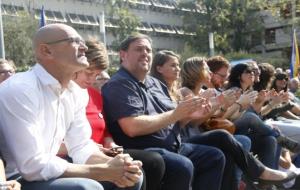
(41, 108)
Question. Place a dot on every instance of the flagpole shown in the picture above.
(211, 43)
(2, 49)
(293, 2)
(42, 17)
(295, 62)
(102, 28)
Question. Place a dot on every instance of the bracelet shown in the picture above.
(240, 105)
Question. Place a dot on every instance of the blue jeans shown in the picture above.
(262, 136)
(296, 161)
(74, 184)
(246, 144)
(251, 123)
(267, 149)
(193, 167)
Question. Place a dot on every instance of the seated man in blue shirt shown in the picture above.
(140, 116)
(41, 108)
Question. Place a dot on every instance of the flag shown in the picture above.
(42, 18)
(295, 56)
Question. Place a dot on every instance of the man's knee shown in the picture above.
(153, 161)
(155, 164)
(180, 165)
(83, 184)
(63, 184)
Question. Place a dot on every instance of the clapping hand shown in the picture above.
(208, 93)
(247, 98)
(230, 96)
(263, 96)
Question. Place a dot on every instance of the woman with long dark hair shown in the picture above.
(250, 124)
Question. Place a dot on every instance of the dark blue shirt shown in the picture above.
(125, 96)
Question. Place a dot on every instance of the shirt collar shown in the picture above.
(48, 80)
(146, 84)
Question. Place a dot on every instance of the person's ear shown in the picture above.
(122, 55)
(159, 69)
(45, 50)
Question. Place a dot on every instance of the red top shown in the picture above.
(94, 114)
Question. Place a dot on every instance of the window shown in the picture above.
(54, 16)
(82, 19)
(11, 10)
(144, 26)
(270, 35)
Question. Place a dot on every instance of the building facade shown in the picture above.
(279, 24)
(161, 19)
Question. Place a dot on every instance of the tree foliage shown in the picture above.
(126, 21)
(18, 33)
(231, 21)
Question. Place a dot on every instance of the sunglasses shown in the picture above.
(282, 78)
(249, 71)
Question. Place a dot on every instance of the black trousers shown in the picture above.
(234, 154)
(153, 166)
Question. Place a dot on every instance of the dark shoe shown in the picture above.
(291, 175)
(289, 144)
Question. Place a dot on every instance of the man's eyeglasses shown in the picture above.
(222, 76)
(77, 40)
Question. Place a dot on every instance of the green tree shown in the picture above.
(125, 20)
(18, 33)
(231, 21)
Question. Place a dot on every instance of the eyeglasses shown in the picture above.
(9, 72)
(102, 79)
(282, 78)
(222, 76)
(249, 71)
(77, 40)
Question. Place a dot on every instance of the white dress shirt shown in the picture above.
(36, 115)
